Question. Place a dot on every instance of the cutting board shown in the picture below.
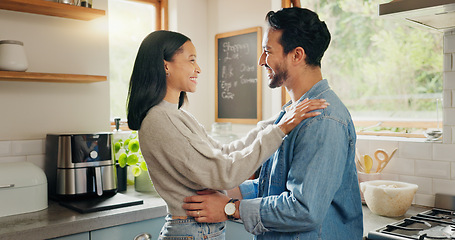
(119, 200)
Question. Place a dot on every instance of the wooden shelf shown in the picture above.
(49, 77)
(52, 9)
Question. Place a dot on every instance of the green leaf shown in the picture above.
(132, 160)
(122, 160)
(133, 145)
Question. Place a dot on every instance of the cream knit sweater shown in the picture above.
(182, 158)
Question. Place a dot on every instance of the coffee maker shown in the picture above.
(80, 165)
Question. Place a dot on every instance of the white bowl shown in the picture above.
(388, 198)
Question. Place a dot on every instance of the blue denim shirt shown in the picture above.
(308, 189)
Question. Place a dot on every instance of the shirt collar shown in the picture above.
(315, 91)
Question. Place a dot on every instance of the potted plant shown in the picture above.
(132, 168)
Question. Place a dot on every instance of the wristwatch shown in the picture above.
(229, 209)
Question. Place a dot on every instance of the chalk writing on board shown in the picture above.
(232, 51)
(237, 76)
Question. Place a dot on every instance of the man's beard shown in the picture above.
(279, 78)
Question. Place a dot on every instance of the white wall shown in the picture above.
(193, 23)
(30, 110)
(221, 16)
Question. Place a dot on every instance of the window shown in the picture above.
(388, 72)
(129, 23)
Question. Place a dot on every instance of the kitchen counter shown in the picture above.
(372, 221)
(57, 221)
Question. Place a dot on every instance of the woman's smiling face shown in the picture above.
(183, 70)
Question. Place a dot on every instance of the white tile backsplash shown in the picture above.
(38, 160)
(13, 159)
(449, 80)
(402, 166)
(390, 176)
(415, 150)
(444, 152)
(362, 144)
(453, 170)
(28, 147)
(452, 62)
(449, 43)
(424, 200)
(424, 183)
(448, 62)
(444, 186)
(447, 132)
(447, 98)
(5, 148)
(449, 116)
(23, 150)
(432, 169)
(387, 146)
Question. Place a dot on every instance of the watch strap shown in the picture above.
(231, 217)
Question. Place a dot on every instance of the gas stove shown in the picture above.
(437, 223)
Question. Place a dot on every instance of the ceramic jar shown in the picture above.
(12, 56)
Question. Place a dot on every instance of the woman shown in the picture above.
(180, 155)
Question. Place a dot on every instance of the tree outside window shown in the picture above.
(383, 69)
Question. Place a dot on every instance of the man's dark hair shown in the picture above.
(301, 28)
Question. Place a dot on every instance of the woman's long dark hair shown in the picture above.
(148, 80)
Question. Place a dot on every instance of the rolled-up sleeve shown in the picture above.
(249, 189)
(250, 207)
(251, 216)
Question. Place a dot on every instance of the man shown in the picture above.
(308, 189)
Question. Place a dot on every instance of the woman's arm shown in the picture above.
(175, 143)
(286, 124)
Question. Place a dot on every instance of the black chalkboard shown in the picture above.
(238, 76)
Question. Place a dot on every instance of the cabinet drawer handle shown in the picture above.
(7, 186)
(143, 236)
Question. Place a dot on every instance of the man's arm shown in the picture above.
(209, 205)
(210, 202)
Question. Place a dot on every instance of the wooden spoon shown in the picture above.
(381, 160)
(368, 163)
(388, 160)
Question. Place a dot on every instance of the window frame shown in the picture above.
(365, 124)
(162, 18)
(162, 23)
